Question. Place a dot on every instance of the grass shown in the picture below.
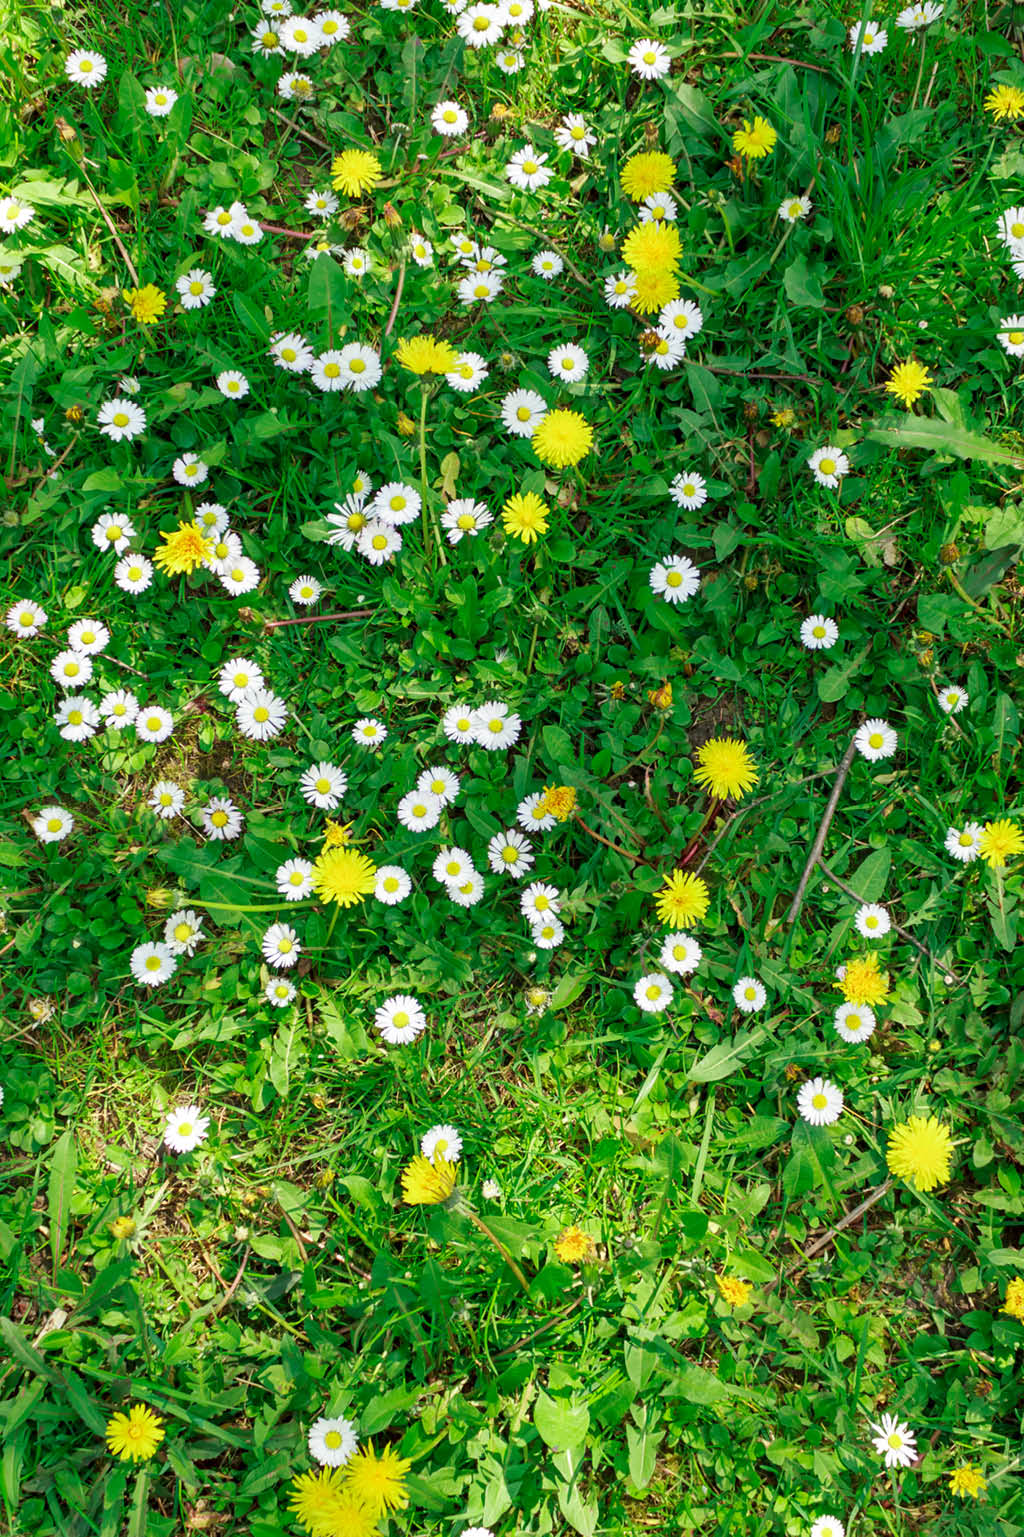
(275, 1274)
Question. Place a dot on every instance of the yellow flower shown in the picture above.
(652, 246)
(920, 1151)
(405, 425)
(183, 550)
(146, 304)
(135, 1436)
(643, 175)
(354, 172)
(123, 1227)
(427, 1184)
(785, 417)
(754, 140)
(575, 1246)
(862, 982)
(683, 899)
(733, 1291)
(654, 288)
(660, 698)
(562, 438)
(315, 1498)
(525, 516)
(725, 768)
(967, 1480)
(1014, 1304)
(908, 382)
(344, 876)
(426, 355)
(336, 835)
(1006, 103)
(378, 1482)
(558, 801)
(998, 841)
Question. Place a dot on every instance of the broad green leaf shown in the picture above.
(870, 876)
(643, 1446)
(698, 1386)
(138, 1522)
(803, 285)
(944, 438)
(60, 1189)
(560, 1425)
(724, 1059)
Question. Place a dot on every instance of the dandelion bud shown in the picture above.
(406, 425)
(885, 290)
(74, 414)
(750, 582)
(949, 554)
(123, 1227)
(855, 314)
(159, 897)
(392, 218)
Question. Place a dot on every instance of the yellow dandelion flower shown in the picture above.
(920, 1151)
(967, 1482)
(427, 1184)
(653, 289)
(354, 172)
(732, 1290)
(1006, 103)
(652, 246)
(908, 382)
(999, 841)
(336, 835)
(123, 1227)
(314, 1498)
(135, 1436)
(725, 768)
(558, 801)
(684, 899)
(862, 982)
(426, 355)
(644, 175)
(344, 876)
(562, 439)
(575, 1247)
(1014, 1304)
(660, 698)
(183, 550)
(524, 516)
(754, 140)
(378, 1482)
(146, 304)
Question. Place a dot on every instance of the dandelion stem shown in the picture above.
(479, 1223)
(638, 859)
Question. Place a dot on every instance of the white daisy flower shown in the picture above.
(620, 290)
(828, 465)
(440, 781)
(153, 723)
(378, 541)
(400, 1019)
(294, 879)
(667, 352)
(186, 1129)
(574, 135)
(119, 709)
(25, 619)
(15, 214)
(261, 715)
(133, 573)
(828, 1526)
(52, 824)
(452, 865)
(653, 993)
(894, 1439)
(522, 411)
(392, 885)
(369, 732)
(321, 204)
(466, 893)
(295, 86)
(509, 853)
(421, 250)
(854, 1022)
(872, 921)
(649, 59)
(70, 669)
(221, 221)
(111, 532)
(334, 27)
(166, 799)
(246, 231)
(304, 591)
(396, 503)
(876, 739)
(326, 371)
(83, 67)
(868, 37)
(120, 420)
(1011, 335)
(681, 317)
(323, 785)
(357, 262)
(159, 100)
(195, 289)
(281, 946)
(332, 1442)
(449, 119)
(222, 820)
(680, 953)
(495, 727)
(675, 579)
(748, 995)
(212, 518)
(532, 813)
(360, 367)
(820, 1102)
(916, 16)
(469, 372)
(152, 964)
(232, 384)
(240, 577)
(479, 288)
(963, 842)
(547, 933)
(528, 169)
(266, 41)
(818, 633)
(952, 699)
(539, 902)
(183, 931)
(657, 208)
(279, 992)
(238, 677)
(77, 718)
(291, 352)
(793, 209)
(569, 363)
(463, 518)
(88, 636)
(458, 725)
(189, 470)
(479, 26)
(1011, 230)
(689, 490)
(419, 811)
(441, 1142)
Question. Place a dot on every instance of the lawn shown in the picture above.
(512, 817)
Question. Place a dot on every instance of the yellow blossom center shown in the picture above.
(120, 419)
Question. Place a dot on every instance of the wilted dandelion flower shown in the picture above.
(355, 171)
(920, 1151)
(135, 1436)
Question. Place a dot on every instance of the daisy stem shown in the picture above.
(694, 844)
(247, 907)
(480, 1224)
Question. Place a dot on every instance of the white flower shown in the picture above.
(793, 209)
(491, 1191)
(620, 289)
(232, 384)
(377, 541)
(14, 214)
(819, 1102)
(653, 993)
(854, 1022)
(280, 946)
(154, 724)
(151, 964)
(522, 411)
(452, 865)
(396, 503)
(369, 732)
(266, 41)
(246, 231)
(876, 739)
(419, 811)
(480, 288)
(547, 933)
(392, 885)
(77, 718)
(893, 1439)
(819, 633)
(829, 465)
(186, 1129)
(509, 853)
(464, 518)
(83, 67)
(52, 824)
(441, 1141)
(952, 699)
(872, 921)
(88, 636)
(689, 490)
(326, 371)
(195, 289)
(159, 100)
(962, 842)
(279, 992)
(574, 135)
(304, 590)
(868, 37)
(189, 470)
(469, 372)
(332, 1442)
(681, 317)
(649, 59)
(466, 893)
(828, 1526)
(667, 351)
(25, 619)
(539, 902)
(111, 532)
(321, 204)
(238, 677)
(441, 782)
(10, 267)
(183, 931)
(463, 246)
(294, 879)
(1011, 335)
(360, 367)
(494, 727)
(323, 785)
(222, 819)
(166, 799)
(532, 813)
(1011, 230)
(657, 208)
(120, 419)
(748, 995)
(458, 724)
(449, 119)
(528, 169)
(295, 86)
(240, 577)
(119, 709)
(221, 221)
(212, 518)
(680, 953)
(291, 352)
(70, 669)
(134, 573)
(400, 1019)
(357, 262)
(675, 579)
(334, 27)
(260, 715)
(569, 363)
(421, 250)
(479, 26)
(922, 15)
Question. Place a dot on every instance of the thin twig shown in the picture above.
(236, 1283)
(108, 221)
(830, 874)
(354, 613)
(833, 1232)
(320, 143)
(822, 834)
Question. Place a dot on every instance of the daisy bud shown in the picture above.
(606, 242)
